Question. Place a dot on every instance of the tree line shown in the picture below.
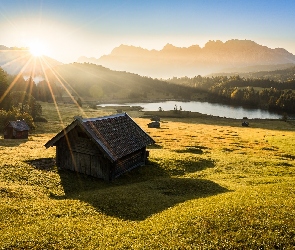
(17, 100)
(235, 90)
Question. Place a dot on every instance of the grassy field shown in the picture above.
(210, 184)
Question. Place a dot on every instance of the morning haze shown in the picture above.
(83, 163)
(215, 57)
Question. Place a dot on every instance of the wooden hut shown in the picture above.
(16, 130)
(154, 124)
(104, 147)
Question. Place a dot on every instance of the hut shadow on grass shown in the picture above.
(137, 195)
(43, 163)
(138, 201)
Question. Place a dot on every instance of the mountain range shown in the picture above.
(216, 56)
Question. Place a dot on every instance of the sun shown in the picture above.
(37, 48)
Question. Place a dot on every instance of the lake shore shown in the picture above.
(193, 108)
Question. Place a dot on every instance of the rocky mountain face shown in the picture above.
(215, 56)
(16, 60)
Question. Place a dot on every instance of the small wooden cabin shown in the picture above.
(16, 130)
(103, 147)
(154, 124)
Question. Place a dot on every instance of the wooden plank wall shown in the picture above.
(129, 162)
(81, 155)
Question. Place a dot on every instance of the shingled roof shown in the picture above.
(19, 125)
(117, 135)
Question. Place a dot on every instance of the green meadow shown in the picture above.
(209, 184)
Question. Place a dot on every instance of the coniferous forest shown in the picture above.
(254, 92)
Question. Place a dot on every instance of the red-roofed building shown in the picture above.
(103, 147)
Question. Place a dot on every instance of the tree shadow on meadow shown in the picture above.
(138, 194)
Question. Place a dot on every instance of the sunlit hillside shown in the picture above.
(95, 82)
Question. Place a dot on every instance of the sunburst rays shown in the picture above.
(46, 67)
(37, 49)
(17, 76)
(30, 66)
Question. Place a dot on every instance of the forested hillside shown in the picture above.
(236, 90)
(95, 82)
(280, 75)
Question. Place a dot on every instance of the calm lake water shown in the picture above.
(214, 109)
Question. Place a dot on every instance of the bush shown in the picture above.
(13, 115)
(40, 119)
(93, 106)
(79, 101)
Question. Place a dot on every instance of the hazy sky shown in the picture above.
(68, 29)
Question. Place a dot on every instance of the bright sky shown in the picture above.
(68, 29)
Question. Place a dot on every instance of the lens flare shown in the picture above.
(37, 48)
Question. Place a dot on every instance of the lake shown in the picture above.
(214, 109)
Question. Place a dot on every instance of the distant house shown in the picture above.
(103, 147)
(16, 130)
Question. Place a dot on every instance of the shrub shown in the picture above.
(40, 119)
(79, 101)
(13, 115)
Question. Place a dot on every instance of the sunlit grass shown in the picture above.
(209, 184)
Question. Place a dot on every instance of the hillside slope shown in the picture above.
(280, 75)
(94, 81)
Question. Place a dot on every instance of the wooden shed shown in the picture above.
(16, 130)
(154, 124)
(103, 147)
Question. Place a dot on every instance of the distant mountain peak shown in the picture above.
(214, 57)
(2, 47)
(168, 46)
